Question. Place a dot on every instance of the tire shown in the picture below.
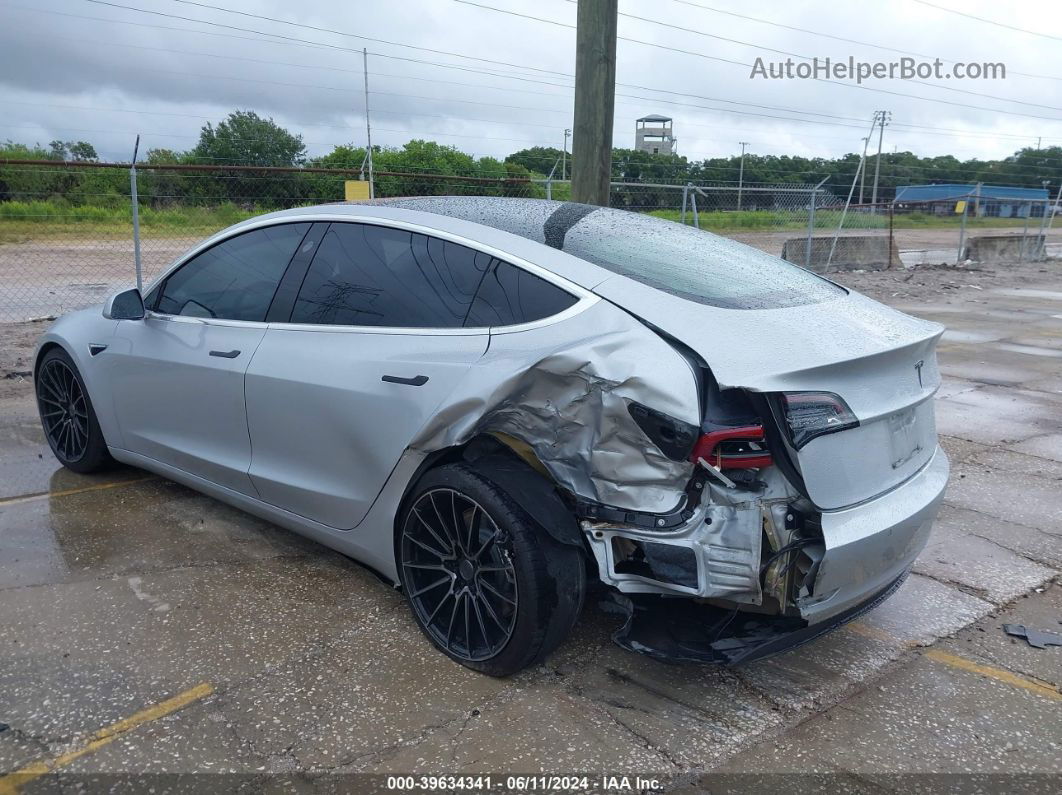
(67, 416)
(498, 611)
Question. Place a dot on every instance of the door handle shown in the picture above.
(417, 380)
(225, 354)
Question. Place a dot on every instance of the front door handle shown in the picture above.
(225, 354)
(417, 380)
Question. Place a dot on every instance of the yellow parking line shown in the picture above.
(10, 783)
(869, 632)
(47, 495)
(995, 673)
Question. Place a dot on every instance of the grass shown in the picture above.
(40, 220)
(774, 220)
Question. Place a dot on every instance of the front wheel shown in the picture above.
(67, 416)
(487, 585)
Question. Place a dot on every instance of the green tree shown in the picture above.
(246, 139)
(71, 150)
(539, 159)
(82, 151)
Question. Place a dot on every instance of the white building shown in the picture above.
(655, 134)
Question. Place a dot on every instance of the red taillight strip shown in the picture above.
(706, 448)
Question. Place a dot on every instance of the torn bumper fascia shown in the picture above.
(871, 544)
(702, 633)
(864, 548)
(869, 550)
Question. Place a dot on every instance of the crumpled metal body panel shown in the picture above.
(725, 534)
(563, 388)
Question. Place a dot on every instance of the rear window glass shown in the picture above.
(690, 263)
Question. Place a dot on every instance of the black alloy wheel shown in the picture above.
(64, 410)
(67, 416)
(459, 575)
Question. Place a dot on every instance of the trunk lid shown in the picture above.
(881, 362)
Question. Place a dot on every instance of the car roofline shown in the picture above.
(566, 270)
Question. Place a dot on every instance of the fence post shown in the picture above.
(1025, 231)
(962, 230)
(696, 217)
(811, 228)
(685, 200)
(811, 223)
(1054, 209)
(892, 210)
(549, 188)
(1041, 241)
(136, 217)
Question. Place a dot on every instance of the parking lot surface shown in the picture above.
(154, 636)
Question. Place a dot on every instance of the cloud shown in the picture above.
(73, 69)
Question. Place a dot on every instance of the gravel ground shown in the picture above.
(122, 592)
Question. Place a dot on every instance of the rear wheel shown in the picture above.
(487, 585)
(67, 416)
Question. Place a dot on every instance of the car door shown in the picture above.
(178, 374)
(375, 340)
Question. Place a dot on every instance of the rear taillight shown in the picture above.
(809, 415)
(733, 448)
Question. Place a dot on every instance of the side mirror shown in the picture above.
(126, 305)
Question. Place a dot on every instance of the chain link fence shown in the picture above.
(67, 241)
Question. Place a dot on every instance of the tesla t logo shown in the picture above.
(918, 369)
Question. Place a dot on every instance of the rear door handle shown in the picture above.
(225, 354)
(417, 380)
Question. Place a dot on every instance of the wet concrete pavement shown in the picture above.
(122, 591)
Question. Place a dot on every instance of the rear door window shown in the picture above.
(510, 295)
(234, 280)
(369, 275)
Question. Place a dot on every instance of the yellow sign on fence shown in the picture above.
(960, 207)
(355, 190)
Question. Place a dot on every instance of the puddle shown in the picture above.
(1031, 350)
(954, 335)
(1053, 295)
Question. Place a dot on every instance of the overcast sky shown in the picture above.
(77, 69)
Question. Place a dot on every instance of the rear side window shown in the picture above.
(234, 280)
(367, 275)
(510, 295)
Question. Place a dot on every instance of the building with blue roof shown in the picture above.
(1001, 201)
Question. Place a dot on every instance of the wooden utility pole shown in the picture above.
(595, 100)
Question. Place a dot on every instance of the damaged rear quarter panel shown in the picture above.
(564, 387)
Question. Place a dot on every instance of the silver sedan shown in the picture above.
(495, 402)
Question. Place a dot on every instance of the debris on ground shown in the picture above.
(1037, 638)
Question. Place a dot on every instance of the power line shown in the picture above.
(309, 27)
(990, 21)
(291, 41)
(810, 58)
(300, 42)
(797, 55)
(839, 38)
